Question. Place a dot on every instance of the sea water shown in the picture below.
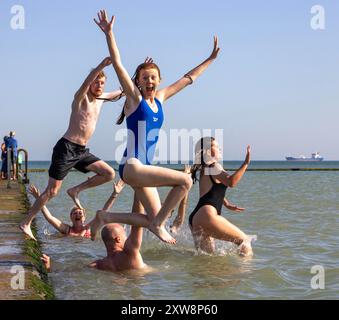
(293, 213)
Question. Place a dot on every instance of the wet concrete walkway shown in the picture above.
(22, 275)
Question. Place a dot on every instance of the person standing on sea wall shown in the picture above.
(4, 159)
(12, 147)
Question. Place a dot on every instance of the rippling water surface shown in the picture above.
(294, 215)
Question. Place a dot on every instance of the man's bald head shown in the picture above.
(112, 232)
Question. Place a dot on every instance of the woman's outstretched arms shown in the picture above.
(190, 76)
(233, 180)
(130, 90)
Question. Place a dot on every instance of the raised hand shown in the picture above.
(34, 191)
(187, 169)
(248, 155)
(46, 261)
(117, 187)
(103, 23)
(216, 49)
(106, 62)
(148, 60)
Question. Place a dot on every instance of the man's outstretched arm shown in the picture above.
(113, 96)
(80, 94)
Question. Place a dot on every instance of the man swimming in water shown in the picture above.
(123, 253)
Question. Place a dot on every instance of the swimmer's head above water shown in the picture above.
(114, 236)
(77, 215)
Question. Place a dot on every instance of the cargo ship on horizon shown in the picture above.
(315, 157)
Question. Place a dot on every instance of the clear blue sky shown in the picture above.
(275, 84)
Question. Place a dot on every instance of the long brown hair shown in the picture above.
(143, 66)
(201, 148)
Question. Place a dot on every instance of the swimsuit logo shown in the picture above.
(155, 119)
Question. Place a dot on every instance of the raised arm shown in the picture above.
(179, 220)
(118, 94)
(190, 76)
(233, 180)
(81, 93)
(134, 240)
(112, 96)
(56, 223)
(131, 91)
(46, 261)
(117, 187)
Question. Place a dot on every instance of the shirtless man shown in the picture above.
(122, 253)
(71, 152)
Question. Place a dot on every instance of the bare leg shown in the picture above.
(50, 192)
(138, 176)
(14, 171)
(202, 241)
(137, 205)
(104, 217)
(104, 173)
(219, 228)
(152, 205)
(207, 244)
(136, 219)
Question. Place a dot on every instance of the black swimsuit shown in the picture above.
(214, 197)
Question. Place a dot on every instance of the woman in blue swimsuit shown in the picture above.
(144, 117)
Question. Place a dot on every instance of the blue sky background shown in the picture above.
(274, 85)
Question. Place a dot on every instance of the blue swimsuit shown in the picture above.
(143, 127)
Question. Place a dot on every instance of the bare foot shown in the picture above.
(96, 224)
(162, 234)
(73, 193)
(26, 229)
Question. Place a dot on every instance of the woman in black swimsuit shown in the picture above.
(206, 222)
